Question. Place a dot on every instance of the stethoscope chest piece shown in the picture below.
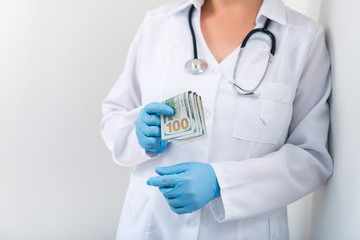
(196, 66)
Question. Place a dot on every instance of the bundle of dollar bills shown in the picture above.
(187, 124)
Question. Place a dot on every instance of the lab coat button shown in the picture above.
(266, 119)
(192, 224)
(216, 71)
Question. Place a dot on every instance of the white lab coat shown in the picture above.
(267, 151)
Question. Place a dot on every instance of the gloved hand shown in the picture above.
(148, 125)
(186, 186)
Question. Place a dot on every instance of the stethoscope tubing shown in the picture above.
(263, 30)
(193, 32)
(197, 66)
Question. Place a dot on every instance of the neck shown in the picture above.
(248, 7)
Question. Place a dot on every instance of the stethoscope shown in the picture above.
(198, 66)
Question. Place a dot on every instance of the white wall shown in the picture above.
(310, 8)
(58, 60)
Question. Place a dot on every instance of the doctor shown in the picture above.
(265, 149)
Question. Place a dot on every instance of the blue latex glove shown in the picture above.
(148, 127)
(186, 186)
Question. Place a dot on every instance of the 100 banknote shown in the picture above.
(187, 124)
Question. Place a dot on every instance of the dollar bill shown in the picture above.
(187, 124)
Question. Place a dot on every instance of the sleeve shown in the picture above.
(256, 186)
(122, 106)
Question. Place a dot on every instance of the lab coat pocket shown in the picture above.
(136, 213)
(264, 118)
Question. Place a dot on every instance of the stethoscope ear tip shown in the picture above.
(196, 66)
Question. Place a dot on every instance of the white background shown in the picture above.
(59, 59)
